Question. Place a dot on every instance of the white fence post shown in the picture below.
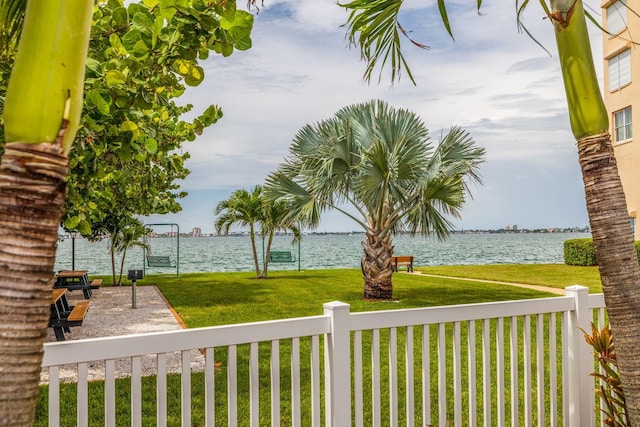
(338, 365)
(581, 394)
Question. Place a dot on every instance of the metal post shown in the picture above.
(133, 293)
(73, 249)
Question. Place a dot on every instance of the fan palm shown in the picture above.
(41, 112)
(374, 26)
(381, 162)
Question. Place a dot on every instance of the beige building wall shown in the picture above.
(621, 96)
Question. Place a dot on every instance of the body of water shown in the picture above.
(233, 253)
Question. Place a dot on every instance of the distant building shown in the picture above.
(511, 227)
(621, 62)
(196, 232)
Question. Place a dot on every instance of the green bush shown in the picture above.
(579, 252)
(582, 252)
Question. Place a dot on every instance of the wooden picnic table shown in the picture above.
(64, 316)
(76, 280)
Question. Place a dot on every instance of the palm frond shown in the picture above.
(374, 26)
(11, 19)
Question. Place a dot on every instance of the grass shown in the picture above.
(551, 275)
(207, 299)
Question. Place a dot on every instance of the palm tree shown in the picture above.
(125, 233)
(381, 162)
(245, 209)
(41, 113)
(249, 208)
(374, 26)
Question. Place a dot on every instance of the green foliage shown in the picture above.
(610, 391)
(381, 161)
(251, 209)
(127, 156)
(580, 252)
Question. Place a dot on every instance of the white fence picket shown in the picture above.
(409, 376)
(275, 383)
(316, 386)
(254, 385)
(357, 379)
(393, 377)
(500, 371)
(471, 377)
(210, 387)
(513, 342)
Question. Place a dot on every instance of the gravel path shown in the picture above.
(111, 313)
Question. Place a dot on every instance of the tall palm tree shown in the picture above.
(381, 162)
(41, 113)
(374, 26)
(245, 209)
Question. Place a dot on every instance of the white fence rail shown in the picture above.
(518, 363)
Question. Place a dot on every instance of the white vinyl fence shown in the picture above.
(518, 363)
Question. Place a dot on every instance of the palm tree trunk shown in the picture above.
(32, 191)
(617, 259)
(606, 203)
(267, 254)
(252, 234)
(376, 266)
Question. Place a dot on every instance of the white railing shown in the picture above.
(506, 363)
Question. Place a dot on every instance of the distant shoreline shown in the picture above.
(358, 233)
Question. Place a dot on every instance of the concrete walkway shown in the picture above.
(111, 313)
(520, 285)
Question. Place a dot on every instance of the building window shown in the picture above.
(620, 70)
(617, 17)
(622, 125)
(633, 226)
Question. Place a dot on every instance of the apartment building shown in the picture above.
(620, 58)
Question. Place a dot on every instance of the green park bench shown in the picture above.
(281, 256)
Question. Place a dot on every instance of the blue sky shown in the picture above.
(491, 80)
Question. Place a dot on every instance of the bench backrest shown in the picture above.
(402, 258)
(281, 256)
(159, 261)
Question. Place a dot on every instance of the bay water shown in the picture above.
(316, 251)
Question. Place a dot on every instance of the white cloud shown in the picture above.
(498, 84)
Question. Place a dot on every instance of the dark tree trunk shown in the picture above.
(617, 259)
(32, 191)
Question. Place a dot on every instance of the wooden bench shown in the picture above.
(281, 256)
(402, 260)
(63, 316)
(95, 284)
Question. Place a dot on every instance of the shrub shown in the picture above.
(580, 252)
(613, 405)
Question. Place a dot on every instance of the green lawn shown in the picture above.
(207, 299)
(552, 275)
